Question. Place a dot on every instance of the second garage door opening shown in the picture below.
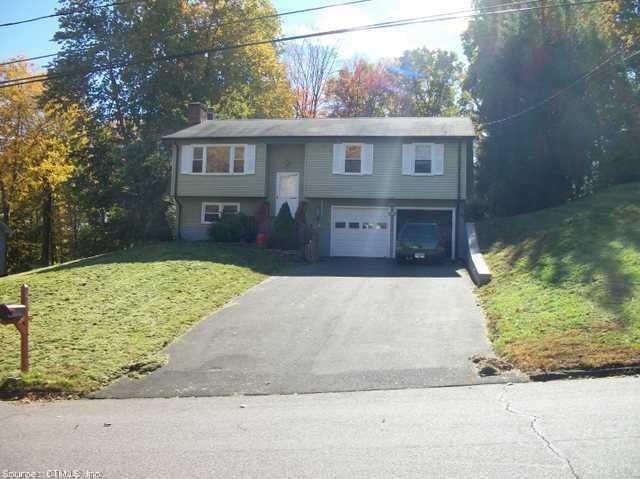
(443, 218)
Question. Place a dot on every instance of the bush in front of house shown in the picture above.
(284, 234)
(233, 229)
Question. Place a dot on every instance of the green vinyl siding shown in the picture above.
(226, 185)
(313, 160)
(191, 226)
(387, 180)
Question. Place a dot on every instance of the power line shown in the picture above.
(375, 26)
(552, 97)
(388, 24)
(233, 22)
(66, 12)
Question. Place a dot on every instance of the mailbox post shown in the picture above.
(18, 315)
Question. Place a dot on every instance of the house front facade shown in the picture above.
(361, 178)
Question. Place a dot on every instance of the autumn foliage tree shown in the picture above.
(97, 176)
(421, 82)
(362, 89)
(37, 147)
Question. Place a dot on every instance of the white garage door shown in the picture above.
(360, 232)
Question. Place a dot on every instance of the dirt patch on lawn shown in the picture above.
(490, 366)
(569, 350)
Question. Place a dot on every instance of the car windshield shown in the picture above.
(420, 231)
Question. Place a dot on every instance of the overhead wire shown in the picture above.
(232, 22)
(555, 95)
(375, 26)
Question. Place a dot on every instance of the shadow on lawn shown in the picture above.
(578, 244)
(253, 258)
(264, 262)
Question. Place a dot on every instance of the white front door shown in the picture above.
(360, 232)
(287, 191)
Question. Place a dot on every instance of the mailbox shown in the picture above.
(18, 315)
(12, 313)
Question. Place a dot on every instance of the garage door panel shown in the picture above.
(362, 232)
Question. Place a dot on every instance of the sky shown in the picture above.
(33, 39)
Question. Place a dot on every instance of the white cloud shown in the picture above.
(389, 42)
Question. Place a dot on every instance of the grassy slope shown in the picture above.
(566, 287)
(96, 319)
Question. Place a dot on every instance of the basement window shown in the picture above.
(212, 212)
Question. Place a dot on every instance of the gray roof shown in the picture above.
(320, 127)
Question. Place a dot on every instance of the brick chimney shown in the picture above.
(197, 113)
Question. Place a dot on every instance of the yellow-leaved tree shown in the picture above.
(37, 148)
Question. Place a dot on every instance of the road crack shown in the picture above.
(533, 419)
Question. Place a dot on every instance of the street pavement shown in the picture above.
(563, 429)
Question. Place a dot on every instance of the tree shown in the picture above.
(558, 149)
(310, 66)
(362, 89)
(284, 234)
(110, 62)
(37, 147)
(429, 82)
(141, 96)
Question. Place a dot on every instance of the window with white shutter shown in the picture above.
(218, 159)
(352, 159)
(423, 159)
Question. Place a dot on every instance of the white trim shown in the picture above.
(220, 205)
(454, 214)
(232, 147)
(331, 226)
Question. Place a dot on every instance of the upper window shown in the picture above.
(422, 163)
(423, 159)
(353, 159)
(220, 160)
(198, 155)
(212, 212)
(238, 159)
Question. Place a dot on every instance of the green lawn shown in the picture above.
(96, 319)
(566, 287)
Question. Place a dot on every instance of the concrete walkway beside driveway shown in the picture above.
(338, 325)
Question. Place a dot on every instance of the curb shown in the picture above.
(585, 373)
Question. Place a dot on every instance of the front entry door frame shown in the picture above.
(293, 201)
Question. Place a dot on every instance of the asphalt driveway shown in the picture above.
(338, 325)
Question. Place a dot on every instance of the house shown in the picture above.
(362, 178)
(4, 235)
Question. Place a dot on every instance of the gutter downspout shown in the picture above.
(458, 200)
(175, 193)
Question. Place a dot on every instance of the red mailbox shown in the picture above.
(18, 315)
